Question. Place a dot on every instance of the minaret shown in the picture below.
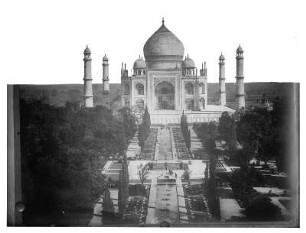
(88, 96)
(197, 93)
(105, 74)
(240, 96)
(125, 86)
(222, 80)
(203, 84)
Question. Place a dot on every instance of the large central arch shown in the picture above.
(164, 96)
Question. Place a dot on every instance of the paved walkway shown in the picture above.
(97, 219)
(166, 200)
(166, 203)
(163, 145)
(196, 146)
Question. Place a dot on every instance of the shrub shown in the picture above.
(242, 182)
(137, 190)
(262, 209)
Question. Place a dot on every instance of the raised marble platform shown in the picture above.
(210, 113)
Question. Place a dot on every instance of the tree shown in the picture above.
(212, 195)
(207, 133)
(143, 174)
(284, 128)
(144, 128)
(242, 182)
(129, 122)
(239, 157)
(188, 139)
(184, 124)
(262, 209)
(185, 130)
(227, 129)
(210, 147)
(63, 150)
(186, 175)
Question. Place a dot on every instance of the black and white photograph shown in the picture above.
(180, 114)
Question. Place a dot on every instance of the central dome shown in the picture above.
(163, 45)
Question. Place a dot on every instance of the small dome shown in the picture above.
(188, 63)
(139, 64)
(221, 57)
(105, 58)
(87, 50)
(239, 50)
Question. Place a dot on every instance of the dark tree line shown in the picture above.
(257, 207)
(248, 133)
(63, 151)
(208, 134)
(212, 194)
(258, 132)
(128, 120)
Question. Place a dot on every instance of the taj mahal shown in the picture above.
(168, 83)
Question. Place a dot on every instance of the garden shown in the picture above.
(196, 204)
(135, 211)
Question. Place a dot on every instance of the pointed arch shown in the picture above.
(126, 89)
(189, 104)
(140, 103)
(140, 89)
(202, 85)
(189, 88)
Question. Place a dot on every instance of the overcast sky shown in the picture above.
(44, 40)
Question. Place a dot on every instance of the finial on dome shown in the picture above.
(139, 56)
(221, 57)
(239, 50)
(163, 21)
(87, 50)
(105, 58)
(187, 55)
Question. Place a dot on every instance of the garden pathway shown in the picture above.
(163, 145)
(166, 203)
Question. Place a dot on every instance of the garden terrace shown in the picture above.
(196, 204)
(193, 189)
(197, 209)
(139, 190)
(196, 146)
(135, 211)
(180, 144)
(170, 165)
(111, 170)
(148, 150)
